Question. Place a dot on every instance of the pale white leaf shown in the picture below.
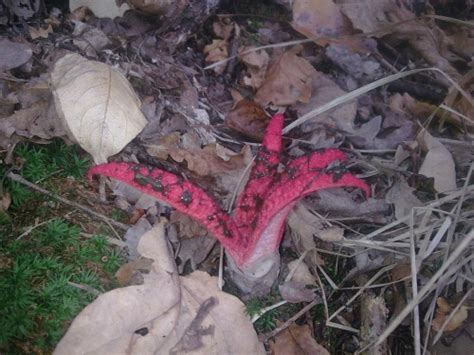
(98, 105)
(167, 314)
(438, 163)
(102, 8)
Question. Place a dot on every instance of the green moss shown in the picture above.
(38, 302)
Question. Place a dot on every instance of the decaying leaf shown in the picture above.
(247, 118)
(305, 227)
(443, 311)
(212, 159)
(13, 54)
(288, 80)
(438, 163)
(37, 117)
(401, 195)
(103, 8)
(97, 104)
(297, 340)
(166, 314)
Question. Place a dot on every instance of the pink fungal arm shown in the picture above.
(257, 226)
(180, 194)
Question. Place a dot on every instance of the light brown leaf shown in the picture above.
(98, 105)
(210, 160)
(297, 340)
(166, 314)
(443, 311)
(288, 80)
(40, 32)
(215, 52)
(438, 163)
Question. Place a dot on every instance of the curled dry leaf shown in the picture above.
(166, 314)
(97, 104)
(438, 163)
(297, 340)
(215, 52)
(443, 311)
(288, 80)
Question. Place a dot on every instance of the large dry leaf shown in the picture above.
(102, 8)
(166, 314)
(297, 340)
(438, 163)
(97, 104)
(315, 18)
(390, 17)
(13, 54)
(325, 90)
(288, 80)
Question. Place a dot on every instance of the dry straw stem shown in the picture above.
(365, 89)
(429, 286)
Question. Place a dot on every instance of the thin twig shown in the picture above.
(23, 181)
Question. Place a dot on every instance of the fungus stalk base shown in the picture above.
(257, 278)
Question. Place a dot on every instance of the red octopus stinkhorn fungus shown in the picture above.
(251, 236)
